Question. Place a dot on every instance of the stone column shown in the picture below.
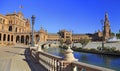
(20, 39)
(14, 39)
(24, 40)
(9, 37)
(6, 42)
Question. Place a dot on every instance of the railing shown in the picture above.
(88, 67)
(49, 61)
(56, 63)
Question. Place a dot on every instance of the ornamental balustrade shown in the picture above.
(55, 63)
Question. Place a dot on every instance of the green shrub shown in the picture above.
(92, 49)
(99, 48)
(112, 49)
(107, 49)
(64, 47)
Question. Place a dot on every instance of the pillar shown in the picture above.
(9, 37)
(14, 39)
(24, 39)
(20, 39)
(6, 42)
(33, 21)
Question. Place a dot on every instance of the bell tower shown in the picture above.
(107, 30)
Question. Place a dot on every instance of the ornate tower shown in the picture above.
(107, 29)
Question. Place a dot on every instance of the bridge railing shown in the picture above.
(80, 66)
(55, 63)
(49, 61)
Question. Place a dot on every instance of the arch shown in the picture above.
(8, 39)
(27, 40)
(16, 29)
(4, 37)
(37, 38)
(17, 39)
(12, 38)
(22, 39)
(0, 36)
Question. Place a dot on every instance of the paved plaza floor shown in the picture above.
(17, 59)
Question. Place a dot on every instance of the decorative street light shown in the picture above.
(33, 21)
(102, 22)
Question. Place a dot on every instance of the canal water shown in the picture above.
(112, 62)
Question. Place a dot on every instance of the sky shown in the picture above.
(79, 16)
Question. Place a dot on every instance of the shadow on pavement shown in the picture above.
(34, 66)
(14, 52)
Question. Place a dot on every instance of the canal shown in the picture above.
(112, 62)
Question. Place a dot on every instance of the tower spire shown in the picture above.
(106, 22)
(107, 29)
(106, 16)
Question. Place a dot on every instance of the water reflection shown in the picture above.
(55, 51)
(95, 59)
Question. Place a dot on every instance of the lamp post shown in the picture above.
(33, 21)
(102, 22)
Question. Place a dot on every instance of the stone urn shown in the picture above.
(39, 48)
(69, 55)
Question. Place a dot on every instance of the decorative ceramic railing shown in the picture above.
(80, 66)
(55, 63)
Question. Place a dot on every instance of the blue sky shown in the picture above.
(81, 16)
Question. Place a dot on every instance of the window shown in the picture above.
(12, 38)
(4, 21)
(16, 30)
(9, 21)
(67, 36)
(10, 28)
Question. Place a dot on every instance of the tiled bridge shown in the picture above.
(22, 58)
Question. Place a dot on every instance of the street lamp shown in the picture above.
(102, 22)
(33, 21)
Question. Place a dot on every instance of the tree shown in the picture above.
(84, 42)
(118, 35)
(112, 34)
(61, 41)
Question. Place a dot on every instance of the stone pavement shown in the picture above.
(17, 59)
